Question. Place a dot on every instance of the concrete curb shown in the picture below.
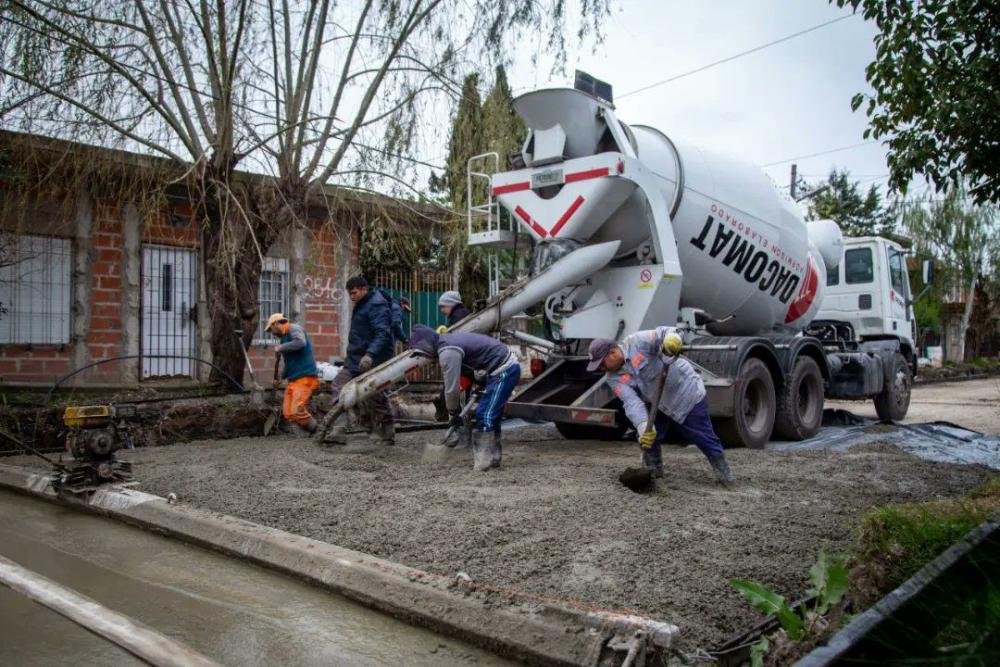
(509, 624)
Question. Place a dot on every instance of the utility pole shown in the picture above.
(795, 173)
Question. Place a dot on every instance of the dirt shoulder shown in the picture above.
(554, 521)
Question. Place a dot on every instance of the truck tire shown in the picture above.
(574, 431)
(894, 401)
(800, 405)
(753, 408)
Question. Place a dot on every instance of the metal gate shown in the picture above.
(423, 289)
(169, 311)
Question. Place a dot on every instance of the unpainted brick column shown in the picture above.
(346, 265)
(83, 259)
(131, 290)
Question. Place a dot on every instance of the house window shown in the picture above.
(273, 294)
(35, 290)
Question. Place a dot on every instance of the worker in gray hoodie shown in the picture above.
(478, 356)
(632, 369)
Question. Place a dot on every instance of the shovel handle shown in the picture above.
(654, 404)
(277, 366)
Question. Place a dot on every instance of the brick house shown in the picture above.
(85, 276)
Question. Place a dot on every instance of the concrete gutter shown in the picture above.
(508, 623)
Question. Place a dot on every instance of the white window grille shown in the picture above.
(273, 295)
(35, 286)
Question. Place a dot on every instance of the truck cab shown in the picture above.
(870, 290)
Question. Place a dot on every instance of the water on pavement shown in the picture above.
(231, 611)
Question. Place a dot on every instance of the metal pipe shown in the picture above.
(571, 269)
(533, 340)
(136, 638)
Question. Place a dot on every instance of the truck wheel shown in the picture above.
(574, 431)
(753, 408)
(894, 401)
(800, 405)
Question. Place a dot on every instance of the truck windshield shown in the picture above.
(858, 266)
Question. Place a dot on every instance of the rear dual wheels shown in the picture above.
(754, 407)
(800, 402)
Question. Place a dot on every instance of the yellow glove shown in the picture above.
(442, 329)
(647, 438)
(672, 344)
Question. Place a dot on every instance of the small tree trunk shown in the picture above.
(963, 327)
(456, 269)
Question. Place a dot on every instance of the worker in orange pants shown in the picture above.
(299, 369)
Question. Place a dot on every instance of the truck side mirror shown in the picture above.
(928, 271)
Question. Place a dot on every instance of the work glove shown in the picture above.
(365, 364)
(672, 344)
(480, 376)
(276, 384)
(647, 438)
(442, 329)
(455, 419)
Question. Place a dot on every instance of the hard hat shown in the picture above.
(274, 319)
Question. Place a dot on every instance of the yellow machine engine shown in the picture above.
(93, 434)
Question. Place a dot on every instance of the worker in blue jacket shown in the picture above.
(398, 308)
(482, 357)
(369, 344)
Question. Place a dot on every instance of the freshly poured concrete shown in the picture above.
(232, 612)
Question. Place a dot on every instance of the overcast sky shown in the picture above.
(787, 100)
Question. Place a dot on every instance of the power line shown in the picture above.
(736, 55)
(832, 150)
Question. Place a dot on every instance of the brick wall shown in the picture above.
(320, 298)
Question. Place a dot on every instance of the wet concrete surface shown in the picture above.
(232, 612)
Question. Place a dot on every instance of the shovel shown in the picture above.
(440, 450)
(272, 419)
(257, 395)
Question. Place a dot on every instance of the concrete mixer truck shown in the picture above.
(632, 229)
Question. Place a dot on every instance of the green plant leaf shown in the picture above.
(769, 602)
(828, 576)
(758, 651)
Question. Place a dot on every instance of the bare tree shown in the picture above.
(306, 92)
(966, 240)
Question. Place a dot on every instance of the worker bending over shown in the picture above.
(299, 370)
(478, 356)
(633, 368)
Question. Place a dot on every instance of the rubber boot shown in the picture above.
(336, 435)
(482, 451)
(653, 462)
(388, 433)
(722, 472)
(497, 450)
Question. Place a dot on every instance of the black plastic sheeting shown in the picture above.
(935, 441)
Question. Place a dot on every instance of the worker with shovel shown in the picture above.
(633, 369)
(300, 370)
(476, 355)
